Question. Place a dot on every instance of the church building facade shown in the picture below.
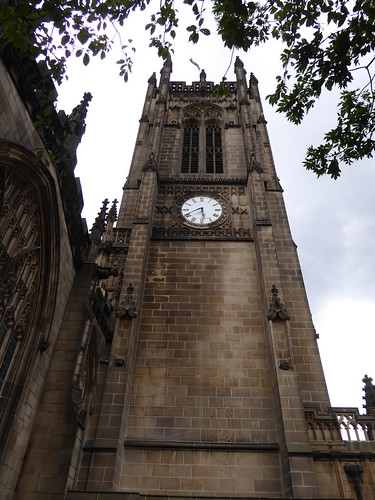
(171, 353)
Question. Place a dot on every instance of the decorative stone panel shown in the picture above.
(234, 223)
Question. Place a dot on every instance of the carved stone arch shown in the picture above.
(192, 115)
(29, 262)
(213, 115)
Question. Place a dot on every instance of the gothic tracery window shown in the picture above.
(19, 266)
(202, 148)
(190, 150)
(214, 151)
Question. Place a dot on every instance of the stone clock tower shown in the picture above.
(214, 336)
(184, 361)
(214, 359)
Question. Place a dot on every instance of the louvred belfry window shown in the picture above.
(214, 151)
(190, 150)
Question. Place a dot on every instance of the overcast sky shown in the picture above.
(332, 222)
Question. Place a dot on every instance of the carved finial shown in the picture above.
(238, 63)
(150, 163)
(369, 397)
(167, 66)
(112, 214)
(152, 79)
(253, 80)
(202, 82)
(111, 219)
(277, 310)
(97, 230)
(99, 223)
(76, 119)
(75, 127)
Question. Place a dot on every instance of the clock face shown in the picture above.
(201, 210)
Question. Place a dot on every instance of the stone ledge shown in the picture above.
(209, 446)
(109, 445)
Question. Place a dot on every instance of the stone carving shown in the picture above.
(77, 116)
(261, 119)
(213, 113)
(103, 272)
(121, 237)
(150, 164)
(369, 397)
(339, 424)
(234, 224)
(152, 79)
(224, 233)
(166, 181)
(284, 365)
(240, 210)
(97, 230)
(192, 113)
(277, 310)
(75, 125)
(19, 267)
(127, 307)
(117, 291)
(354, 472)
(254, 164)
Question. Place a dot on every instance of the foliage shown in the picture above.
(325, 43)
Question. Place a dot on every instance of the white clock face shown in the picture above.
(201, 210)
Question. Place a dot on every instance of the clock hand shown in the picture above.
(200, 208)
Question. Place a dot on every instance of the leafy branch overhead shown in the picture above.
(327, 45)
(326, 42)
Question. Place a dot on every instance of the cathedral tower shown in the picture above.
(222, 355)
(214, 363)
(187, 362)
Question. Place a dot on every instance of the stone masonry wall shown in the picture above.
(17, 127)
(189, 473)
(201, 371)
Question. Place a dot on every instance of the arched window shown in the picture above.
(190, 150)
(214, 151)
(202, 143)
(29, 259)
(19, 264)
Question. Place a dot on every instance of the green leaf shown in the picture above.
(65, 39)
(47, 111)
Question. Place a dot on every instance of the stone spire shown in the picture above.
(97, 230)
(369, 397)
(111, 219)
(75, 125)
